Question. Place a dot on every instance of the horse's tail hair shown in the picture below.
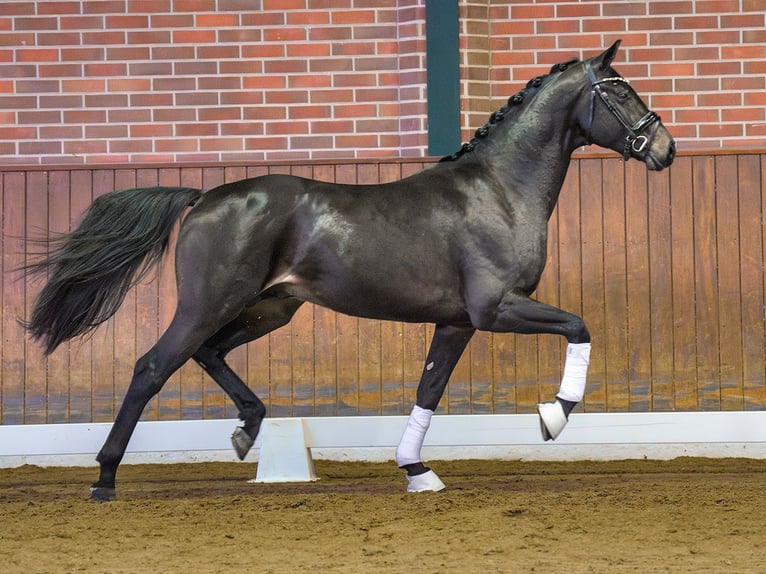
(122, 236)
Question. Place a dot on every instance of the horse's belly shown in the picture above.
(405, 300)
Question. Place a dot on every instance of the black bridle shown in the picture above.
(634, 140)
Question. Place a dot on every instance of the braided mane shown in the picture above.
(508, 110)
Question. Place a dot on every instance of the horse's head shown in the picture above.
(616, 118)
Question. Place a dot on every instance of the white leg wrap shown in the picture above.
(575, 372)
(408, 451)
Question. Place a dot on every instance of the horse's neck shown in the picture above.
(530, 158)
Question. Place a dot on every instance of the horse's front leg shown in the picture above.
(447, 346)
(519, 314)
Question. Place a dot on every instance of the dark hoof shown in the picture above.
(102, 493)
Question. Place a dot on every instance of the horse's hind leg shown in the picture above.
(253, 323)
(447, 346)
(149, 375)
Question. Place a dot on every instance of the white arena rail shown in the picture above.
(286, 447)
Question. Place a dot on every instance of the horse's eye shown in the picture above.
(622, 95)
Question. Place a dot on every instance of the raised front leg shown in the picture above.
(520, 314)
(447, 346)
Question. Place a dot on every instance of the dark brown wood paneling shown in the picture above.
(667, 269)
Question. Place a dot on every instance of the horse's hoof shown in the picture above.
(103, 493)
(552, 419)
(242, 442)
(428, 481)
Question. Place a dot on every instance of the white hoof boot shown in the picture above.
(428, 481)
(552, 419)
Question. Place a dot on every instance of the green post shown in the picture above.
(442, 76)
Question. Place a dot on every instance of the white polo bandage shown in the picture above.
(575, 372)
(408, 451)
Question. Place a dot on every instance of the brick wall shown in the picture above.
(701, 64)
(95, 81)
(208, 80)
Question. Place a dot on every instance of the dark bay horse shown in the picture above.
(461, 244)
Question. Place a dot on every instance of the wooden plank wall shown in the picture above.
(666, 268)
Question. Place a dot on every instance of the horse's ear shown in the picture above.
(607, 57)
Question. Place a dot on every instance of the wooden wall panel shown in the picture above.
(667, 269)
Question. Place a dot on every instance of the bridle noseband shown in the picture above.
(634, 140)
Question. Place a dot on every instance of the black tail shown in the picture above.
(121, 238)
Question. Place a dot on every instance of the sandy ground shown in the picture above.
(685, 515)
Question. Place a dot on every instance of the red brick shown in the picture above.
(104, 6)
(194, 36)
(57, 8)
(532, 12)
(308, 18)
(129, 85)
(222, 144)
(220, 20)
(312, 50)
(18, 133)
(241, 128)
(60, 132)
(35, 23)
(284, 34)
(32, 117)
(260, 143)
(105, 69)
(219, 114)
(40, 148)
(671, 39)
(34, 86)
(287, 97)
(106, 131)
(18, 8)
(310, 81)
(149, 6)
(750, 52)
(286, 128)
(196, 129)
(283, 5)
(717, 37)
(743, 115)
(129, 53)
(265, 113)
(83, 54)
(58, 39)
(311, 142)
(85, 147)
(239, 36)
(36, 55)
(175, 144)
(720, 130)
(719, 6)
(149, 37)
(151, 100)
(132, 145)
(196, 99)
(172, 21)
(81, 23)
(61, 101)
(128, 21)
(287, 66)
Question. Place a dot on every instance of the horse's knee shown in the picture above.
(576, 331)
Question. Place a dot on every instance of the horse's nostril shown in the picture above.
(672, 150)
